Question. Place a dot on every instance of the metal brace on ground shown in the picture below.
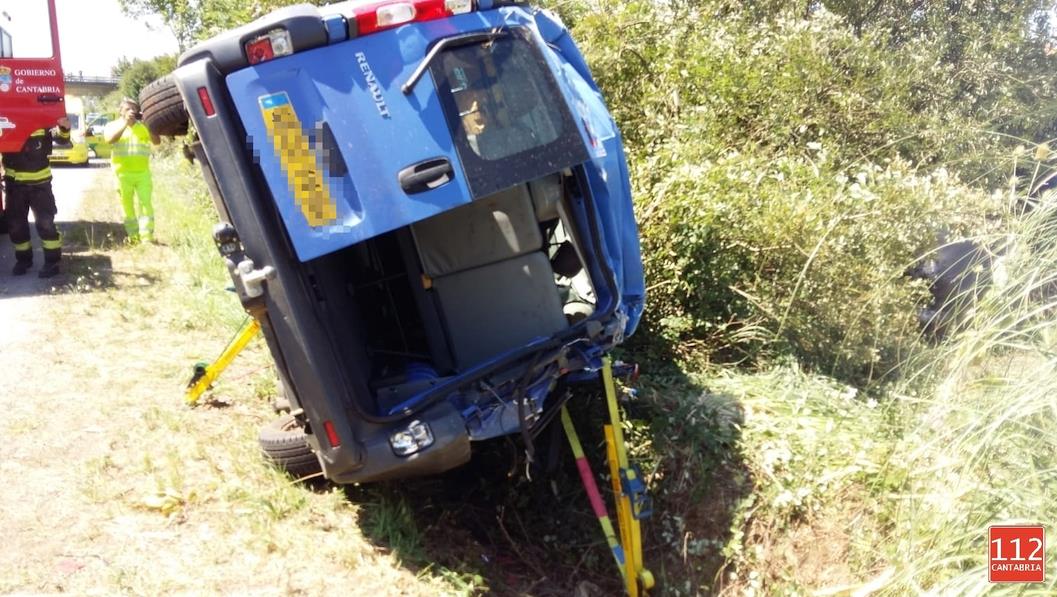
(633, 503)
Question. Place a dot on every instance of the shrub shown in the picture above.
(777, 196)
(798, 250)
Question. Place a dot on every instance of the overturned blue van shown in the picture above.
(426, 206)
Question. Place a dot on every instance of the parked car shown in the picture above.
(426, 205)
(94, 134)
(75, 150)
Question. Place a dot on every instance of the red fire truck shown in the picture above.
(31, 78)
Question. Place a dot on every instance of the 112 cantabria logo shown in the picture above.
(1016, 554)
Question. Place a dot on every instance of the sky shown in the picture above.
(93, 34)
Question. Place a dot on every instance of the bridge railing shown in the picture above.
(88, 79)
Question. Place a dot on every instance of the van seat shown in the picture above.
(492, 282)
(499, 307)
(490, 229)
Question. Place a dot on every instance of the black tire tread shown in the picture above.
(284, 444)
(163, 108)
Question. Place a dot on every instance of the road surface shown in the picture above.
(19, 295)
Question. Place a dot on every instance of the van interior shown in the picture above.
(440, 296)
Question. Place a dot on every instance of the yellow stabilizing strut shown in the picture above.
(598, 505)
(206, 374)
(630, 491)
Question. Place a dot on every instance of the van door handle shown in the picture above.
(426, 175)
(49, 98)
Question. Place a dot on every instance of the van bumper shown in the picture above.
(373, 458)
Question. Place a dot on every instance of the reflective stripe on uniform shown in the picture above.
(38, 176)
(38, 133)
(120, 152)
(52, 244)
(23, 246)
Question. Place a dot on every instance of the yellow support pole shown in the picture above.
(597, 503)
(627, 518)
(614, 411)
(623, 515)
(205, 377)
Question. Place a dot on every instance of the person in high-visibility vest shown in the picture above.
(27, 182)
(130, 142)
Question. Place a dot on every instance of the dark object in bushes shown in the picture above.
(958, 273)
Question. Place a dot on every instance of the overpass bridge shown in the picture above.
(86, 85)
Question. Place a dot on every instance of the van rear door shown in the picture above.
(31, 79)
(347, 155)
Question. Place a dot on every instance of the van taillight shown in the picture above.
(332, 434)
(273, 44)
(375, 16)
(207, 102)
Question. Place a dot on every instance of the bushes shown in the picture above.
(796, 250)
(777, 203)
(787, 171)
(980, 450)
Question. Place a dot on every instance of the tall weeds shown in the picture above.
(189, 217)
(982, 448)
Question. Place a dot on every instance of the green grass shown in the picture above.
(981, 449)
(826, 488)
(188, 228)
(745, 463)
(773, 481)
(197, 474)
(392, 521)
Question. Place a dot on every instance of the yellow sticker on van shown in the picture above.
(294, 150)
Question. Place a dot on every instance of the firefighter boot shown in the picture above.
(51, 263)
(23, 261)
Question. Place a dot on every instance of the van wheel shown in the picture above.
(283, 442)
(163, 109)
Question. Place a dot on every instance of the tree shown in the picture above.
(182, 17)
(136, 74)
(193, 20)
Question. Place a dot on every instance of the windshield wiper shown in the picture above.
(440, 46)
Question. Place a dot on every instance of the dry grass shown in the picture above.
(115, 486)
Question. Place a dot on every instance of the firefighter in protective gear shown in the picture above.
(130, 158)
(27, 184)
(60, 135)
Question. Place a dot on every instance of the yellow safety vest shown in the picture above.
(131, 152)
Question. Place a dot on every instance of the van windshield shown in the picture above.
(507, 115)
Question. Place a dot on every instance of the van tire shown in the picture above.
(284, 443)
(163, 108)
